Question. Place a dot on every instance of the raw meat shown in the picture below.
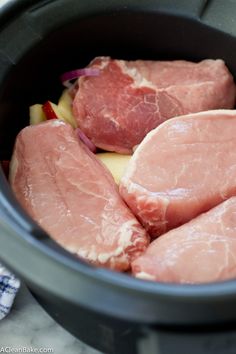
(182, 168)
(71, 194)
(203, 250)
(128, 99)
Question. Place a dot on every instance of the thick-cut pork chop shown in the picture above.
(182, 168)
(117, 108)
(71, 194)
(202, 250)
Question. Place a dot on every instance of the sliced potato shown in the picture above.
(116, 163)
(65, 106)
(36, 114)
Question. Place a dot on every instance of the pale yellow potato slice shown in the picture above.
(116, 163)
(36, 114)
(65, 106)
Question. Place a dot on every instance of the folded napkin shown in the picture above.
(9, 286)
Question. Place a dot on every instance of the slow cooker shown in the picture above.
(115, 313)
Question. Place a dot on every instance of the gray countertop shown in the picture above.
(29, 326)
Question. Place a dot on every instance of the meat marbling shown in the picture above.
(182, 168)
(129, 98)
(71, 194)
(202, 250)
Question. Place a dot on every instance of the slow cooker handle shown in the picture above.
(11, 8)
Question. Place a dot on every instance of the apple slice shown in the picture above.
(65, 106)
(36, 114)
(116, 163)
(51, 110)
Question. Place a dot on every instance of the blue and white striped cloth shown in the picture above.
(9, 286)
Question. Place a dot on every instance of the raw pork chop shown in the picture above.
(182, 168)
(203, 250)
(128, 99)
(72, 195)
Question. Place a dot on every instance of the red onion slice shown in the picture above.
(83, 137)
(74, 74)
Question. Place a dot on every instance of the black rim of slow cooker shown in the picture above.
(201, 291)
